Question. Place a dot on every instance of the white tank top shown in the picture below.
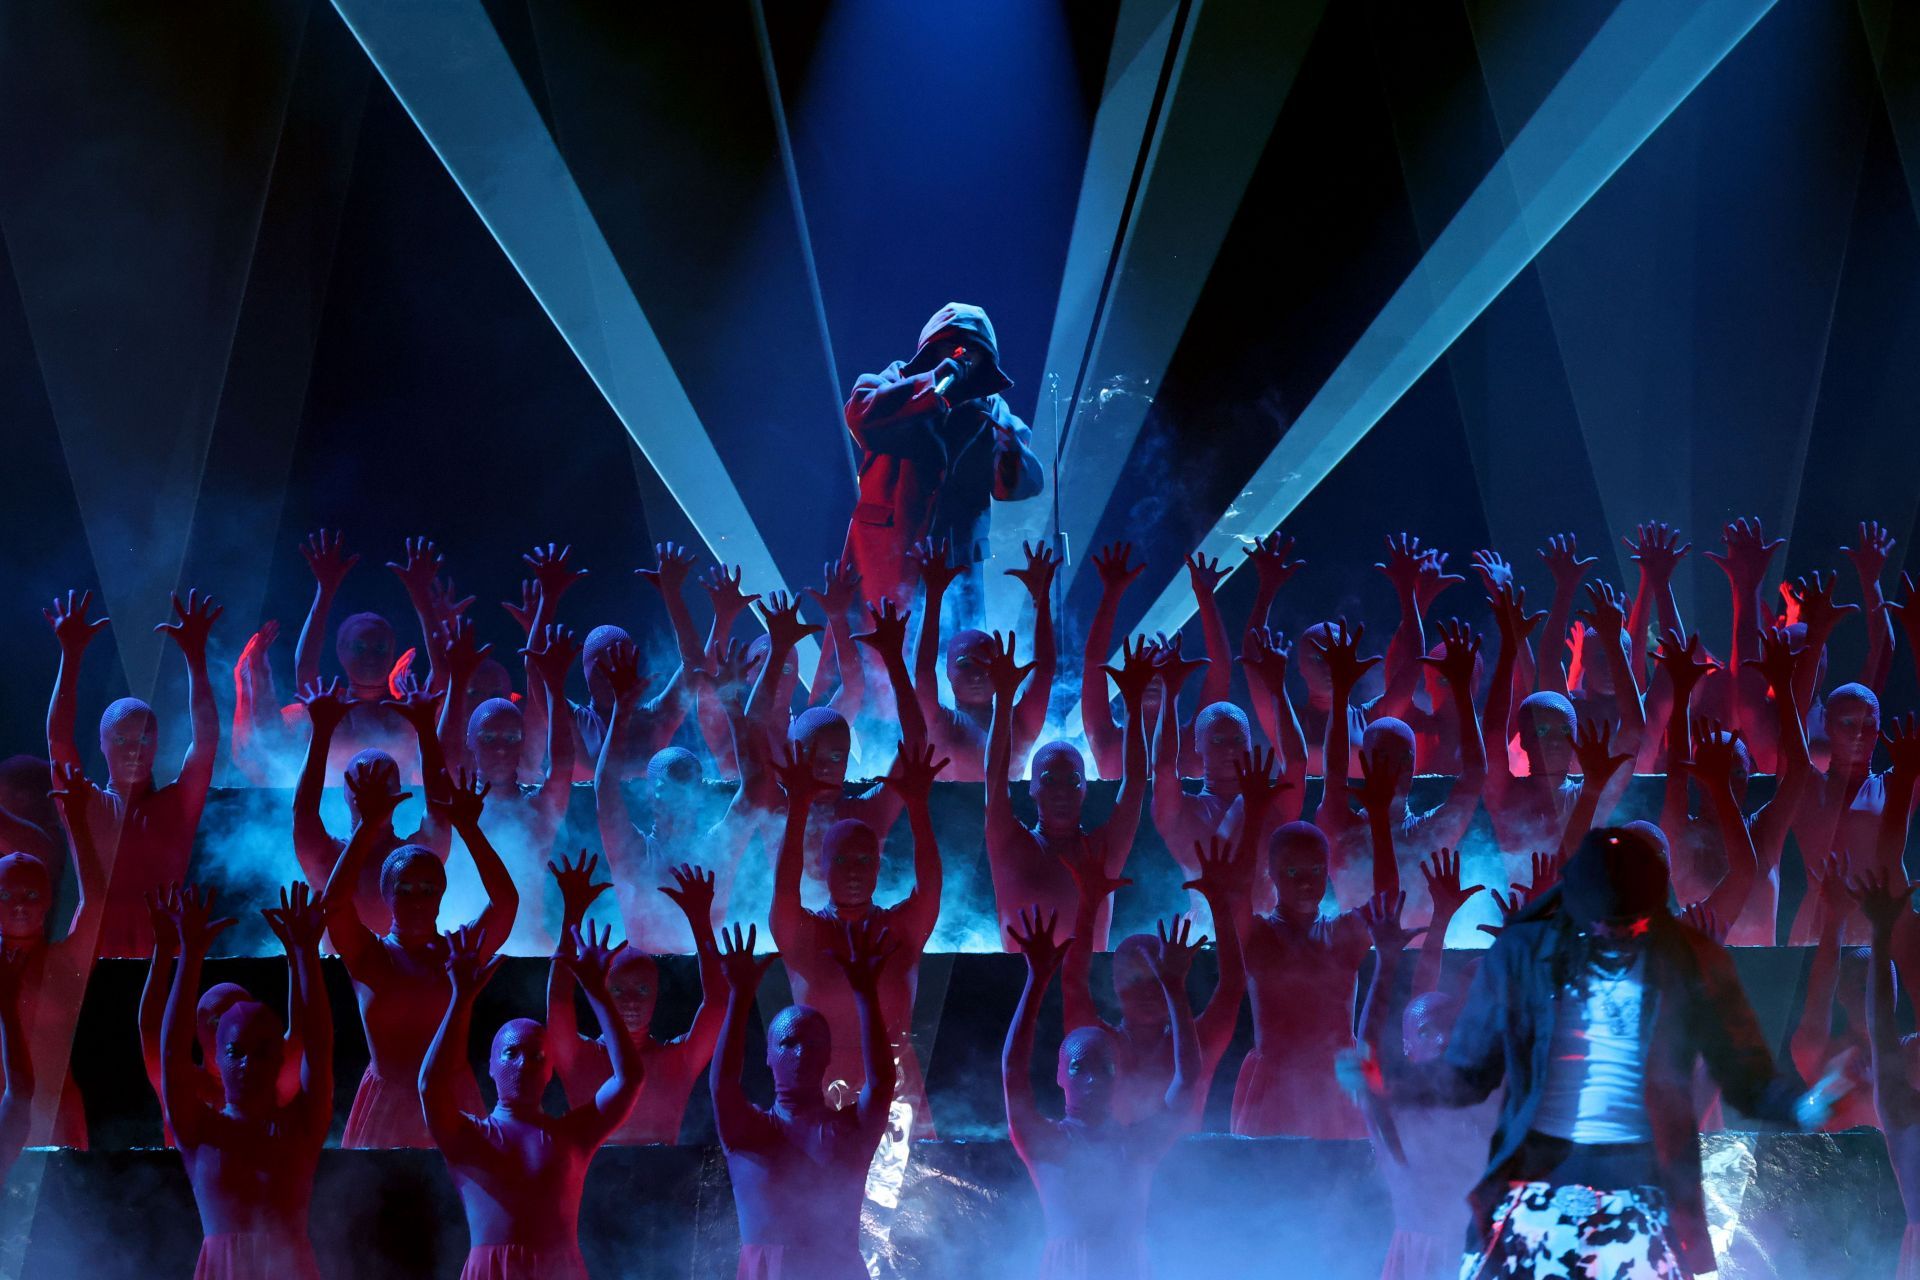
(1596, 1073)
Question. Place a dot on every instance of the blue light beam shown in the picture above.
(1638, 68)
(446, 65)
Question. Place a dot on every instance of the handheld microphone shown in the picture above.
(959, 357)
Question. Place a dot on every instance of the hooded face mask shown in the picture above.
(412, 881)
(1088, 1066)
(1546, 721)
(494, 734)
(1297, 860)
(593, 661)
(824, 732)
(129, 735)
(967, 656)
(1058, 785)
(1222, 737)
(518, 1064)
(634, 984)
(798, 1045)
(365, 646)
(26, 895)
(852, 856)
(247, 1050)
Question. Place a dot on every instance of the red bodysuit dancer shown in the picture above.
(809, 941)
(16, 1063)
(144, 832)
(960, 731)
(54, 977)
(400, 977)
(937, 443)
(584, 1063)
(520, 1171)
(318, 848)
(1093, 1170)
(250, 1156)
(799, 1167)
(1036, 864)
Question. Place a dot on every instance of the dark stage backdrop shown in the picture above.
(242, 297)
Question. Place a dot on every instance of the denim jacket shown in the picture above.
(1694, 1008)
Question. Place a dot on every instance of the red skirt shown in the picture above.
(387, 1113)
(517, 1262)
(1121, 1258)
(255, 1255)
(1415, 1255)
(1909, 1268)
(777, 1262)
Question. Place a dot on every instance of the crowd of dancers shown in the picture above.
(1544, 736)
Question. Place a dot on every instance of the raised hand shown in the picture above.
(1090, 878)
(1882, 902)
(1698, 915)
(1110, 562)
(1748, 552)
(1902, 736)
(1173, 959)
(299, 920)
(1684, 664)
(253, 654)
(1264, 652)
(1379, 780)
(327, 703)
(1442, 874)
(1606, 612)
(192, 622)
(1259, 786)
(531, 597)
(673, 563)
(1204, 573)
(842, 585)
(1776, 660)
(165, 937)
(738, 965)
(1546, 874)
(1341, 649)
(1827, 881)
(420, 567)
(913, 772)
(586, 954)
(1593, 751)
(575, 881)
(796, 776)
(1033, 938)
(1510, 613)
(1381, 915)
(1870, 551)
(692, 891)
(1402, 565)
(1657, 549)
(1135, 672)
(1814, 594)
(374, 786)
(1003, 672)
(445, 602)
(933, 557)
(1714, 752)
(730, 666)
(620, 663)
(722, 583)
(326, 556)
(420, 709)
(1434, 578)
(1269, 559)
(889, 635)
(1510, 904)
(1174, 668)
(1037, 576)
(1907, 612)
(554, 656)
(469, 799)
(190, 908)
(1460, 649)
(862, 953)
(1564, 562)
(553, 570)
(1494, 570)
(781, 613)
(469, 964)
(1224, 876)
